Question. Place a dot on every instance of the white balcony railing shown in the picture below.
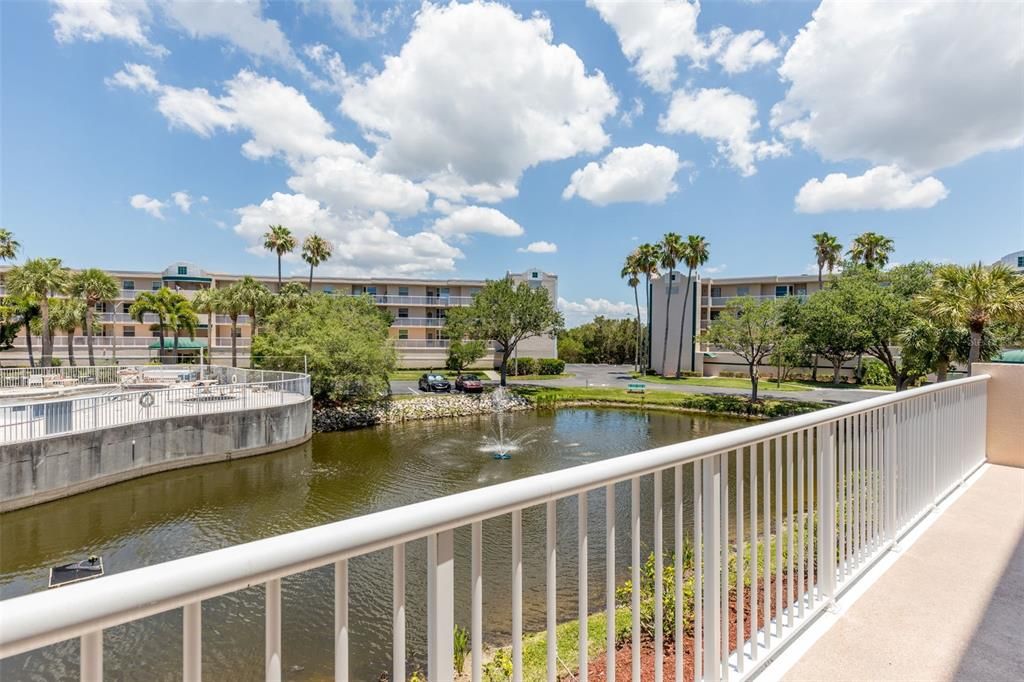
(716, 301)
(439, 301)
(836, 487)
(418, 322)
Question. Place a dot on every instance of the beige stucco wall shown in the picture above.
(1005, 432)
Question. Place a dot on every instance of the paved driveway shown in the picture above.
(611, 376)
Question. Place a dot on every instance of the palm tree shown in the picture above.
(27, 310)
(631, 273)
(670, 251)
(279, 239)
(181, 317)
(8, 245)
(974, 297)
(827, 252)
(67, 314)
(39, 279)
(695, 254)
(647, 262)
(255, 297)
(207, 302)
(160, 303)
(232, 301)
(872, 249)
(92, 286)
(315, 250)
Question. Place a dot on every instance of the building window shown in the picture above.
(403, 291)
(237, 333)
(801, 290)
(328, 290)
(372, 291)
(182, 269)
(403, 334)
(716, 292)
(403, 312)
(128, 284)
(715, 314)
(742, 291)
(535, 275)
(156, 286)
(443, 292)
(129, 331)
(1020, 261)
(782, 290)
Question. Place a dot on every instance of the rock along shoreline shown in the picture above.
(337, 417)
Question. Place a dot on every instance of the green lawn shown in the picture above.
(541, 377)
(723, 382)
(820, 384)
(552, 396)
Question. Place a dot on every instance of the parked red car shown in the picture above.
(469, 383)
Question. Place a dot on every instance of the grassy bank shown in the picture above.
(553, 396)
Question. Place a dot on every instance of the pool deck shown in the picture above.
(950, 607)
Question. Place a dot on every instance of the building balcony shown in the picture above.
(721, 301)
(436, 301)
(881, 516)
(418, 322)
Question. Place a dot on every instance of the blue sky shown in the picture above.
(445, 140)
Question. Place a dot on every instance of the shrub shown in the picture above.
(692, 375)
(522, 367)
(461, 644)
(550, 366)
(499, 668)
(668, 602)
(874, 372)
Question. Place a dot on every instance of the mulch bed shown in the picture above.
(624, 653)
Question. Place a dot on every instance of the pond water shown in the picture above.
(336, 476)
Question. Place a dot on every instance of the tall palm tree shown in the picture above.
(695, 254)
(181, 317)
(827, 252)
(27, 310)
(160, 303)
(315, 250)
(9, 246)
(647, 263)
(975, 296)
(871, 249)
(92, 286)
(670, 252)
(39, 279)
(67, 314)
(255, 298)
(207, 302)
(232, 302)
(631, 273)
(280, 240)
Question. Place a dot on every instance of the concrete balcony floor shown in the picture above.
(949, 607)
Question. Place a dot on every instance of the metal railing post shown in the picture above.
(192, 642)
(826, 466)
(91, 656)
(711, 510)
(272, 643)
(889, 452)
(440, 606)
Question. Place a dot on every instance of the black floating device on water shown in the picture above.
(76, 572)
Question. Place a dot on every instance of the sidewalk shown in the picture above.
(950, 608)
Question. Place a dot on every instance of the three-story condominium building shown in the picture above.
(418, 307)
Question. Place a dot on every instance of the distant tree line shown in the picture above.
(602, 340)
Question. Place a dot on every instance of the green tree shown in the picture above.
(975, 297)
(67, 315)
(670, 251)
(9, 246)
(631, 273)
(462, 354)
(37, 280)
(207, 302)
(255, 298)
(92, 286)
(871, 249)
(182, 318)
(647, 264)
(25, 310)
(505, 313)
(344, 338)
(570, 348)
(279, 239)
(233, 302)
(827, 253)
(315, 250)
(161, 303)
(832, 328)
(751, 329)
(695, 254)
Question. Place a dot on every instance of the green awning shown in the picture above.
(709, 355)
(183, 344)
(1014, 356)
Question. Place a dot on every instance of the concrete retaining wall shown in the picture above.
(55, 467)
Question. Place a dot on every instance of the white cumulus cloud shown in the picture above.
(539, 247)
(744, 51)
(883, 187)
(477, 95)
(645, 174)
(922, 85)
(728, 118)
(96, 20)
(477, 219)
(577, 313)
(153, 207)
(654, 34)
(183, 201)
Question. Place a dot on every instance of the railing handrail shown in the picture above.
(39, 619)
